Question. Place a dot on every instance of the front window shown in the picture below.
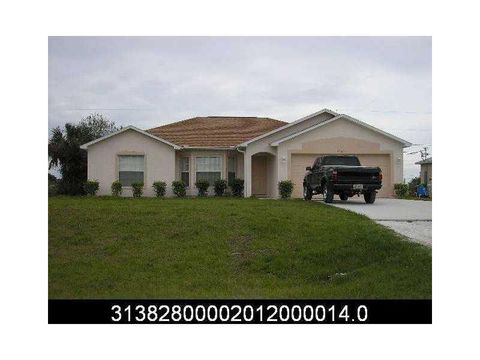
(209, 168)
(131, 169)
(185, 170)
(231, 168)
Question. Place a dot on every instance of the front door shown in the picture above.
(259, 175)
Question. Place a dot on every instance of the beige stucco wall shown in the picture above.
(162, 162)
(240, 166)
(263, 145)
(103, 161)
(342, 137)
(349, 138)
(339, 136)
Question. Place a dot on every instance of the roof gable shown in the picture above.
(130, 127)
(288, 125)
(345, 117)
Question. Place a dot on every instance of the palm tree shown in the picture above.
(65, 153)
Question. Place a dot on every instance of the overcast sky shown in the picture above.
(150, 81)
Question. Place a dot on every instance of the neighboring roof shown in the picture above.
(346, 117)
(426, 161)
(215, 131)
(287, 125)
(130, 127)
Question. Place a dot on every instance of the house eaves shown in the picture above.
(347, 117)
(130, 127)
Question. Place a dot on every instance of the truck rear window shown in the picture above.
(341, 160)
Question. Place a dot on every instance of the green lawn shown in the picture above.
(226, 248)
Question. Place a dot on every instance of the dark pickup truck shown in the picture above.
(341, 175)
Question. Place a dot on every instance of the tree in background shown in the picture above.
(97, 126)
(412, 186)
(65, 153)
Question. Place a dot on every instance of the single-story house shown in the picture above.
(426, 173)
(262, 151)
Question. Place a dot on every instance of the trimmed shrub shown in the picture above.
(202, 186)
(285, 188)
(219, 187)
(137, 189)
(401, 190)
(237, 187)
(179, 188)
(116, 188)
(160, 188)
(90, 187)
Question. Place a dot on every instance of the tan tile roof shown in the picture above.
(213, 131)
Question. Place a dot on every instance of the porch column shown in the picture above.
(225, 166)
(247, 174)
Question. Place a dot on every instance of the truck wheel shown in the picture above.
(343, 197)
(370, 197)
(327, 193)
(307, 193)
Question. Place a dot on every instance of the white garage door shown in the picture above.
(301, 161)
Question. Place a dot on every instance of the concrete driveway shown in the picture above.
(412, 218)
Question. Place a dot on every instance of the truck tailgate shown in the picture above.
(358, 174)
